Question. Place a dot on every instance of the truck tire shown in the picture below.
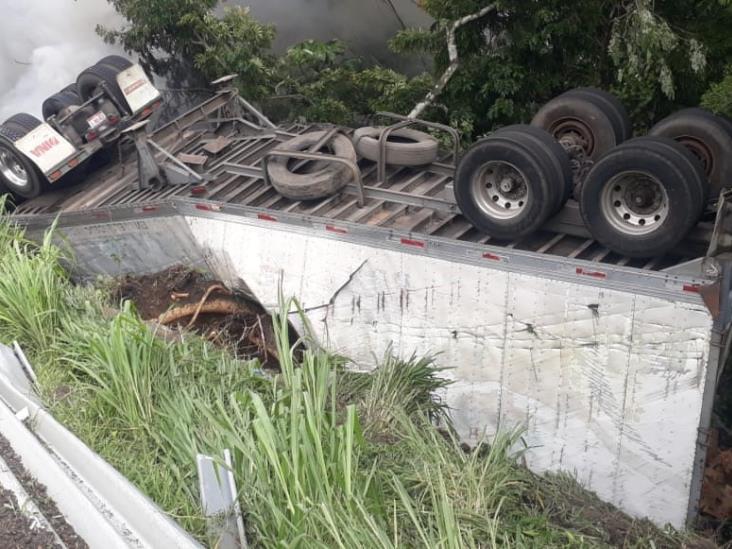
(60, 101)
(583, 119)
(23, 122)
(613, 108)
(70, 88)
(552, 152)
(708, 137)
(89, 83)
(503, 187)
(638, 200)
(116, 62)
(405, 147)
(324, 179)
(686, 161)
(17, 173)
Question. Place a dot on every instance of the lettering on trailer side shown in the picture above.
(137, 88)
(45, 146)
(134, 86)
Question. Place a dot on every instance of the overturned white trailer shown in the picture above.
(608, 363)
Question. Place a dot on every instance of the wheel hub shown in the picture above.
(573, 132)
(507, 184)
(635, 203)
(11, 169)
(700, 150)
(500, 190)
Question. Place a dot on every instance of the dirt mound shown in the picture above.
(181, 298)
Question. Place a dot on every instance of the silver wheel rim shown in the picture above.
(11, 169)
(635, 203)
(500, 190)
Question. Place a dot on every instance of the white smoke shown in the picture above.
(44, 45)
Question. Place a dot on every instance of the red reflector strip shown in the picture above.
(693, 288)
(73, 163)
(208, 207)
(493, 257)
(334, 229)
(149, 208)
(55, 175)
(266, 217)
(593, 274)
(198, 190)
(410, 242)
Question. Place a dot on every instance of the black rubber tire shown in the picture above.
(58, 102)
(26, 122)
(586, 114)
(536, 174)
(552, 152)
(71, 88)
(36, 182)
(669, 166)
(90, 79)
(612, 106)
(13, 129)
(410, 147)
(685, 161)
(326, 180)
(698, 129)
(116, 62)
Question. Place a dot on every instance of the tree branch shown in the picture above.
(452, 52)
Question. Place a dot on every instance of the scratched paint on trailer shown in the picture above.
(142, 246)
(608, 385)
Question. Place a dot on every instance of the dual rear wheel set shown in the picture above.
(20, 176)
(638, 197)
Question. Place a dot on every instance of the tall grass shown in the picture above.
(322, 457)
(33, 288)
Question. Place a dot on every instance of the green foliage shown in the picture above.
(718, 98)
(173, 37)
(312, 81)
(32, 289)
(323, 85)
(655, 56)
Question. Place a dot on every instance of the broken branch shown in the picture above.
(452, 52)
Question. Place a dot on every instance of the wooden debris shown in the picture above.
(196, 160)
(217, 145)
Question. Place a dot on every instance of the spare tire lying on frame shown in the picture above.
(315, 179)
(404, 147)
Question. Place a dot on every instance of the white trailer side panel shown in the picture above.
(609, 385)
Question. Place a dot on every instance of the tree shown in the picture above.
(184, 40)
(655, 57)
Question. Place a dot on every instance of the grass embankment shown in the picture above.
(323, 457)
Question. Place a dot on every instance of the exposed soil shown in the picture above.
(15, 528)
(180, 298)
